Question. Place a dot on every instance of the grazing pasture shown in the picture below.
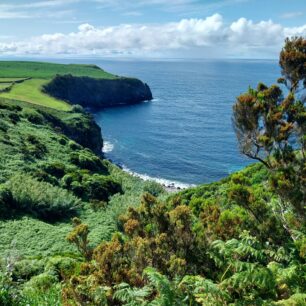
(23, 81)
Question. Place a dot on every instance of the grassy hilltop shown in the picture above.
(26, 80)
(58, 86)
(41, 70)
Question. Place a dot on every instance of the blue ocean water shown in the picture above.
(185, 134)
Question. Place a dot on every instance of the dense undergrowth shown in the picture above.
(76, 230)
(46, 178)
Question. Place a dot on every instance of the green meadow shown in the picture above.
(27, 78)
(31, 91)
(41, 70)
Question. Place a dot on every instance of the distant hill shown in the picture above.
(58, 85)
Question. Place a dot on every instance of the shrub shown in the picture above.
(41, 282)
(51, 296)
(153, 188)
(11, 107)
(56, 169)
(3, 126)
(77, 109)
(89, 187)
(74, 146)
(33, 116)
(14, 118)
(6, 200)
(41, 199)
(62, 141)
(100, 187)
(27, 268)
(85, 159)
(7, 291)
(42, 175)
(61, 267)
(33, 147)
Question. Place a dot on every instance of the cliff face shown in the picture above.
(80, 127)
(98, 93)
(86, 132)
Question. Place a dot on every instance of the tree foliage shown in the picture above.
(271, 126)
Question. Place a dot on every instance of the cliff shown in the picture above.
(98, 93)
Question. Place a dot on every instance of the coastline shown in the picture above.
(169, 185)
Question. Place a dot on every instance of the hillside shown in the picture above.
(53, 85)
(48, 176)
(42, 70)
(77, 230)
(48, 149)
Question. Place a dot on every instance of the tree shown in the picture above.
(79, 236)
(271, 127)
(292, 61)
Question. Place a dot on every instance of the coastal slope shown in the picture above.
(59, 86)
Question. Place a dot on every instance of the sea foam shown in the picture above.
(107, 147)
(165, 182)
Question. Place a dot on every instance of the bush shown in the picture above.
(7, 291)
(27, 268)
(14, 118)
(51, 296)
(85, 159)
(89, 187)
(153, 188)
(41, 282)
(3, 126)
(77, 109)
(6, 201)
(10, 106)
(74, 146)
(33, 147)
(33, 116)
(99, 187)
(41, 199)
(56, 169)
(60, 266)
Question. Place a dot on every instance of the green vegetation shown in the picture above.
(40, 70)
(15, 85)
(77, 230)
(31, 91)
(58, 86)
(5, 86)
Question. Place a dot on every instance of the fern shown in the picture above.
(131, 296)
(166, 291)
(204, 291)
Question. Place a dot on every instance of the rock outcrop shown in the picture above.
(98, 93)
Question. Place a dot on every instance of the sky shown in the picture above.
(149, 28)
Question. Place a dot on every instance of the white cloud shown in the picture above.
(207, 37)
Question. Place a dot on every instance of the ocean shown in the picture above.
(185, 135)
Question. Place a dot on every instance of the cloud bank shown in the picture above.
(209, 37)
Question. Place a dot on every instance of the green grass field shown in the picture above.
(10, 80)
(40, 73)
(40, 70)
(4, 86)
(30, 91)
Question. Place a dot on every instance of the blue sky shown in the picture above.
(149, 28)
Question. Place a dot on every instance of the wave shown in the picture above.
(107, 147)
(169, 184)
